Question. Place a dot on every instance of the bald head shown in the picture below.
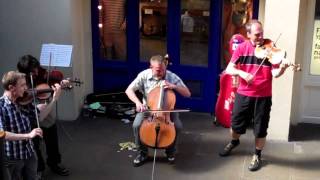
(158, 65)
(255, 32)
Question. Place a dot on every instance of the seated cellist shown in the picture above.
(145, 82)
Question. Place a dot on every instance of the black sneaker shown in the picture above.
(140, 159)
(60, 170)
(171, 158)
(255, 163)
(227, 150)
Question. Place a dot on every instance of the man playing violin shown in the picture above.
(253, 98)
(145, 82)
(15, 120)
(30, 65)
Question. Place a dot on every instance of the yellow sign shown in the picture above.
(315, 56)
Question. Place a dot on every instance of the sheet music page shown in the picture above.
(60, 55)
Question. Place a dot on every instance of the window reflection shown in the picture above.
(112, 27)
(153, 28)
(236, 13)
(194, 32)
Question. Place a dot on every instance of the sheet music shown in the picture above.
(60, 55)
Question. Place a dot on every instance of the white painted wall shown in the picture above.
(282, 17)
(26, 25)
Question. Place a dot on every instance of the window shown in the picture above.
(194, 32)
(235, 15)
(112, 29)
(315, 53)
(153, 28)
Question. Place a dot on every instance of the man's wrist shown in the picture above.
(29, 136)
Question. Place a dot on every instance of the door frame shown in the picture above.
(309, 82)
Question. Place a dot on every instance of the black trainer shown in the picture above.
(171, 158)
(227, 150)
(255, 163)
(59, 169)
(140, 159)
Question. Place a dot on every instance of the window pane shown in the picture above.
(194, 32)
(235, 15)
(315, 53)
(112, 28)
(317, 13)
(153, 28)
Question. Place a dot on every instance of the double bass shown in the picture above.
(228, 87)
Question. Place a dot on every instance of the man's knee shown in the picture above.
(137, 121)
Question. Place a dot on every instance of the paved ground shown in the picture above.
(90, 149)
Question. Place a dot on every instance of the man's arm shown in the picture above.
(232, 70)
(184, 91)
(133, 97)
(15, 137)
(45, 109)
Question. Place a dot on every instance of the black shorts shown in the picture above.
(247, 109)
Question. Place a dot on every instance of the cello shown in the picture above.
(157, 130)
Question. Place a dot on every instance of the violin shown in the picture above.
(43, 92)
(157, 130)
(43, 76)
(268, 51)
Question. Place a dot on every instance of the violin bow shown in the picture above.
(34, 100)
(174, 110)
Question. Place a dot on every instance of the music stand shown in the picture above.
(55, 55)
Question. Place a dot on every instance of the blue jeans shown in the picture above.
(136, 127)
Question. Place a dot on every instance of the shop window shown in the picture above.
(194, 32)
(112, 29)
(315, 53)
(153, 28)
(236, 13)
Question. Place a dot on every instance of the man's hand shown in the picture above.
(285, 64)
(35, 132)
(65, 83)
(246, 76)
(168, 85)
(57, 91)
(140, 107)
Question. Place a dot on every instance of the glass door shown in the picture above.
(127, 33)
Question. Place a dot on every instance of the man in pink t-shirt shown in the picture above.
(253, 98)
